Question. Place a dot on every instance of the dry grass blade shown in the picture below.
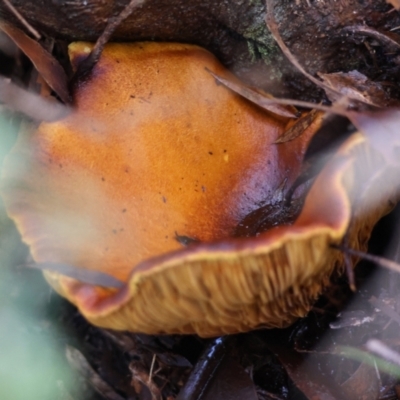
(21, 19)
(83, 275)
(30, 104)
(48, 67)
(141, 379)
(259, 98)
(267, 103)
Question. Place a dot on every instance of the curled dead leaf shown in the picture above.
(48, 67)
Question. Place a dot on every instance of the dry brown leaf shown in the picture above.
(355, 86)
(363, 384)
(48, 67)
(299, 126)
(307, 377)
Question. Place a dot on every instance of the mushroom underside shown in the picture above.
(268, 281)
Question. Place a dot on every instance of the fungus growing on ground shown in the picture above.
(157, 151)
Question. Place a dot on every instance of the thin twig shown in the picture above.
(113, 23)
(153, 361)
(350, 272)
(273, 28)
(21, 19)
(349, 264)
(330, 91)
(383, 262)
(79, 362)
(255, 97)
(383, 37)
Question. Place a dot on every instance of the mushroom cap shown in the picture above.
(154, 149)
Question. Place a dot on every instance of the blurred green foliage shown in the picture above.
(371, 360)
(32, 359)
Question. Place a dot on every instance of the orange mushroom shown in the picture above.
(155, 149)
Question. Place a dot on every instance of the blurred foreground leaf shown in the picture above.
(371, 360)
(32, 362)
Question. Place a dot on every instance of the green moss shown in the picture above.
(260, 42)
(258, 3)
